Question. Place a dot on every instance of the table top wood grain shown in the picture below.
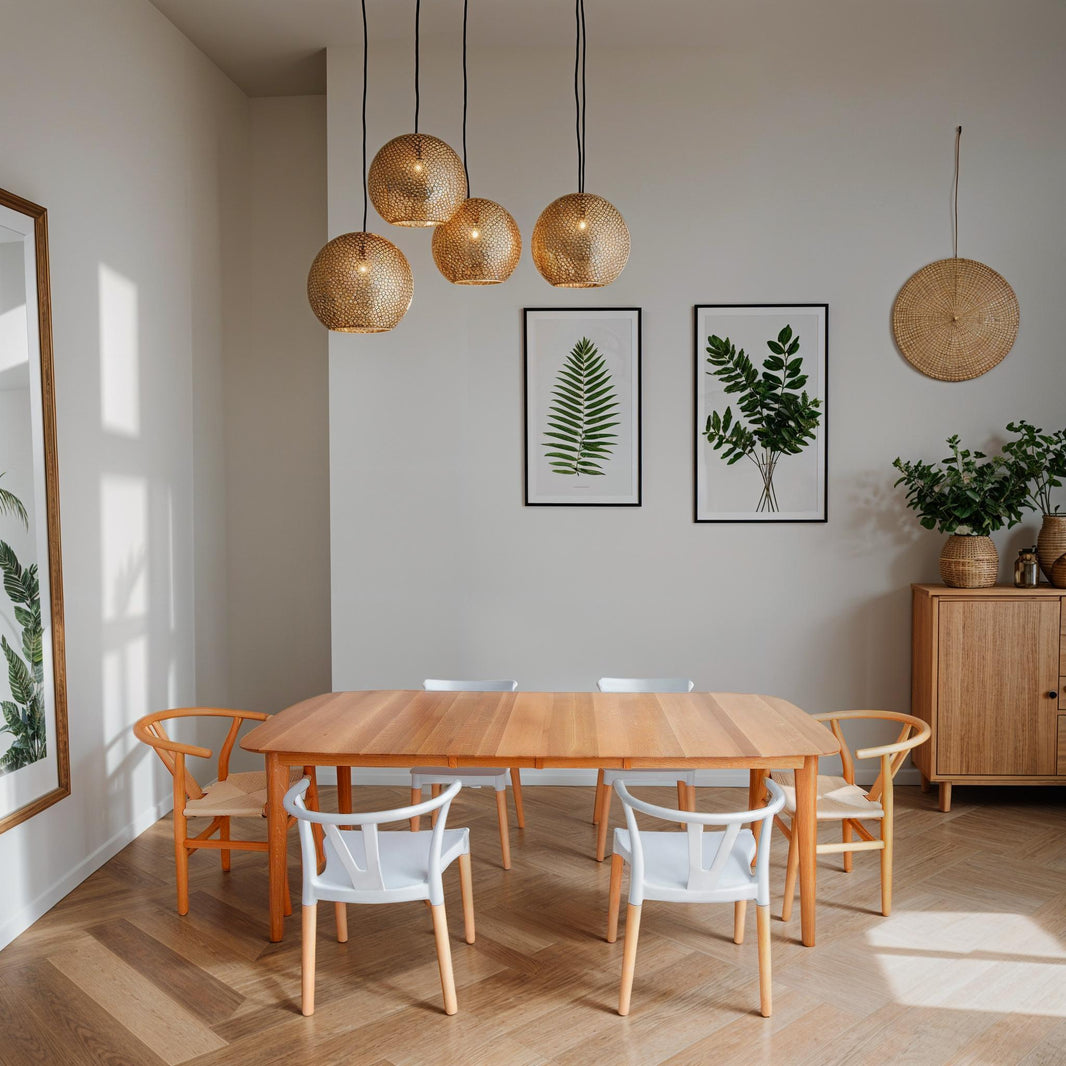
(403, 727)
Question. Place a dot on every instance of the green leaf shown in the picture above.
(581, 413)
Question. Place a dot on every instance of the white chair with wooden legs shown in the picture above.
(474, 777)
(693, 867)
(840, 799)
(366, 865)
(605, 779)
(241, 795)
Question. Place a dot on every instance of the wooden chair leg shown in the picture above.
(886, 855)
(765, 971)
(598, 798)
(307, 959)
(756, 793)
(629, 957)
(845, 836)
(341, 911)
(444, 958)
(505, 839)
(516, 791)
(791, 870)
(466, 889)
(316, 829)
(287, 895)
(223, 834)
(740, 912)
(614, 898)
(181, 860)
(416, 797)
(434, 791)
(604, 824)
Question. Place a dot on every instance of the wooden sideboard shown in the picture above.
(988, 673)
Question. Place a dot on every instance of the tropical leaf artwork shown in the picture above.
(582, 414)
(24, 713)
(775, 415)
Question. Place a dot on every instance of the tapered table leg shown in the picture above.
(277, 783)
(805, 828)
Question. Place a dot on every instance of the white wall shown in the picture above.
(137, 146)
(801, 154)
(277, 431)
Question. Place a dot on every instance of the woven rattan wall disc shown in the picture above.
(416, 180)
(955, 319)
(479, 245)
(360, 283)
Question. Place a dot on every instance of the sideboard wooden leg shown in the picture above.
(945, 796)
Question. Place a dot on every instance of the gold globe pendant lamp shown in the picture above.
(360, 282)
(416, 179)
(580, 240)
(480, 244)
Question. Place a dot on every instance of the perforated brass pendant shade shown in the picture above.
(360, 283)
(416, 180)
(580, 241)
(479, 245)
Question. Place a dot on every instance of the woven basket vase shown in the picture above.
(1051, 543)
(969, 562)
(1058, 573)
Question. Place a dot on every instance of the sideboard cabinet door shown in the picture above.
(998, 669)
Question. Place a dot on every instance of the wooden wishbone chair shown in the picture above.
(240, 795)
(840, 799)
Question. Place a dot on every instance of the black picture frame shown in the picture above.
(720, 489)
(550, 337)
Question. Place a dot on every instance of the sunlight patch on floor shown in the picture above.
(947, 959)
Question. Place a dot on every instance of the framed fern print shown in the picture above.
(582, 406)
(760, 419)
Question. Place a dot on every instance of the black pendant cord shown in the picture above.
(364, 112)
(579, 91)
(418, 19)
(955, 231)
(584, 106)
(466, 171)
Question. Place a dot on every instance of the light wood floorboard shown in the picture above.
(970, 969)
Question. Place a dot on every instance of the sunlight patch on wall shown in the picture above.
(120, 409)
(124, 547)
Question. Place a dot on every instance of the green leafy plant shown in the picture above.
(1038, 459)
(24, 716)
(11, 504)
(967, 492)
(781, 418)
(579, 418)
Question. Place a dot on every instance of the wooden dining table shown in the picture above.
(401, 727)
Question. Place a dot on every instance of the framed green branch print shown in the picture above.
(582, 406)
(760, 394)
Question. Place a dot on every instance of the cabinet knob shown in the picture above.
(1052, 695)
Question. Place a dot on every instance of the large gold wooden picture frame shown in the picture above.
(34, 752)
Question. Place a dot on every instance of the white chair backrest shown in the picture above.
(436, 684)
(368, 878)
(645, 684)
(701, 877)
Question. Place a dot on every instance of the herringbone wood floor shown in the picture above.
(970, 967)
